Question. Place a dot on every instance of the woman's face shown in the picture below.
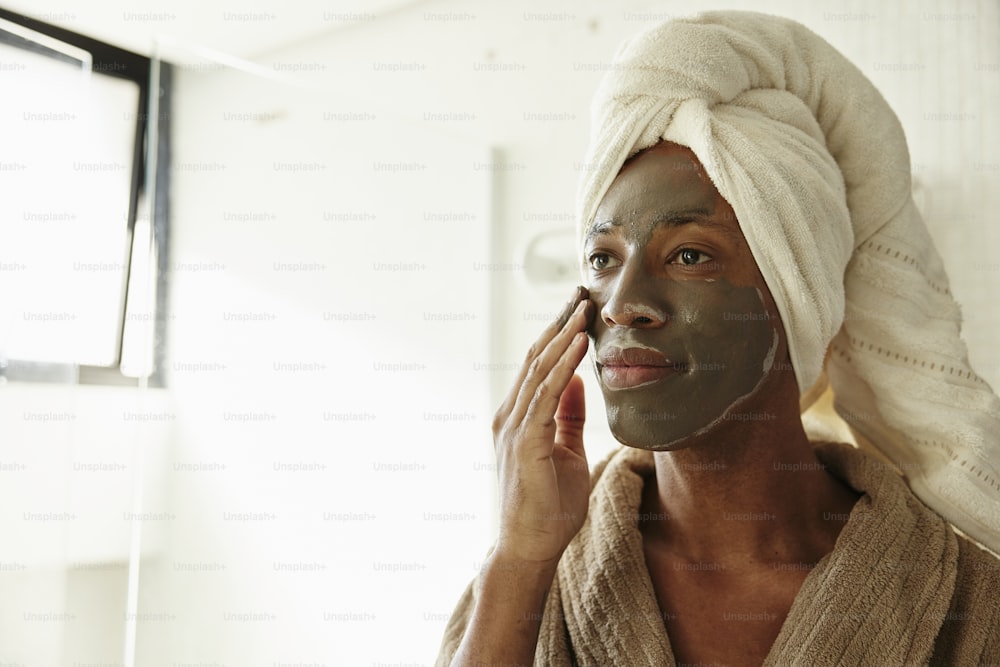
(686, 329)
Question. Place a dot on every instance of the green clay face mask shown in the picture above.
(664, 384)
(686, 330)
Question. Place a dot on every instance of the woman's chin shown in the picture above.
(651, 440)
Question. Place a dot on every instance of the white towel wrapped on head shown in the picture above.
(815, 165)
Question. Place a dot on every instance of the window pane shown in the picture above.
(67, 139)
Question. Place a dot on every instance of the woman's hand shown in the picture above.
(538, 437)
(544, 492)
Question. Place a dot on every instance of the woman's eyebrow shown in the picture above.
(668, 219)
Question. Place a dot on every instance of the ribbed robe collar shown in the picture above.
(878, 598)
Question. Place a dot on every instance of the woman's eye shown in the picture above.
(690, 257)
(600, 261)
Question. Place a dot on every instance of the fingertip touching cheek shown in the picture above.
(685, 327)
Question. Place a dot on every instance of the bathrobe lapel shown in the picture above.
(878, 598)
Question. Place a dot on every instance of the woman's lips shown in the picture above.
(631, 367)
(629, 377)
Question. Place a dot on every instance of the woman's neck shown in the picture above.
(749, 491)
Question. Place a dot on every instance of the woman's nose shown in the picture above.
(633, 301)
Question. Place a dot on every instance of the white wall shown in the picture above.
(70, 457)
(330, 327)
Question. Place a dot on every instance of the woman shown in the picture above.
(749, 241)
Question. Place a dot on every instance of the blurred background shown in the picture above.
(266, 271)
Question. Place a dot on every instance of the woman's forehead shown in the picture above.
(664, 180)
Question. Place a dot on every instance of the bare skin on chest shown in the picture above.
(725, 580)
(723, 616)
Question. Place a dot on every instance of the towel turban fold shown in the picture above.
(814, 163)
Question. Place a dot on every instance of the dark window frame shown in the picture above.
(123, 64)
